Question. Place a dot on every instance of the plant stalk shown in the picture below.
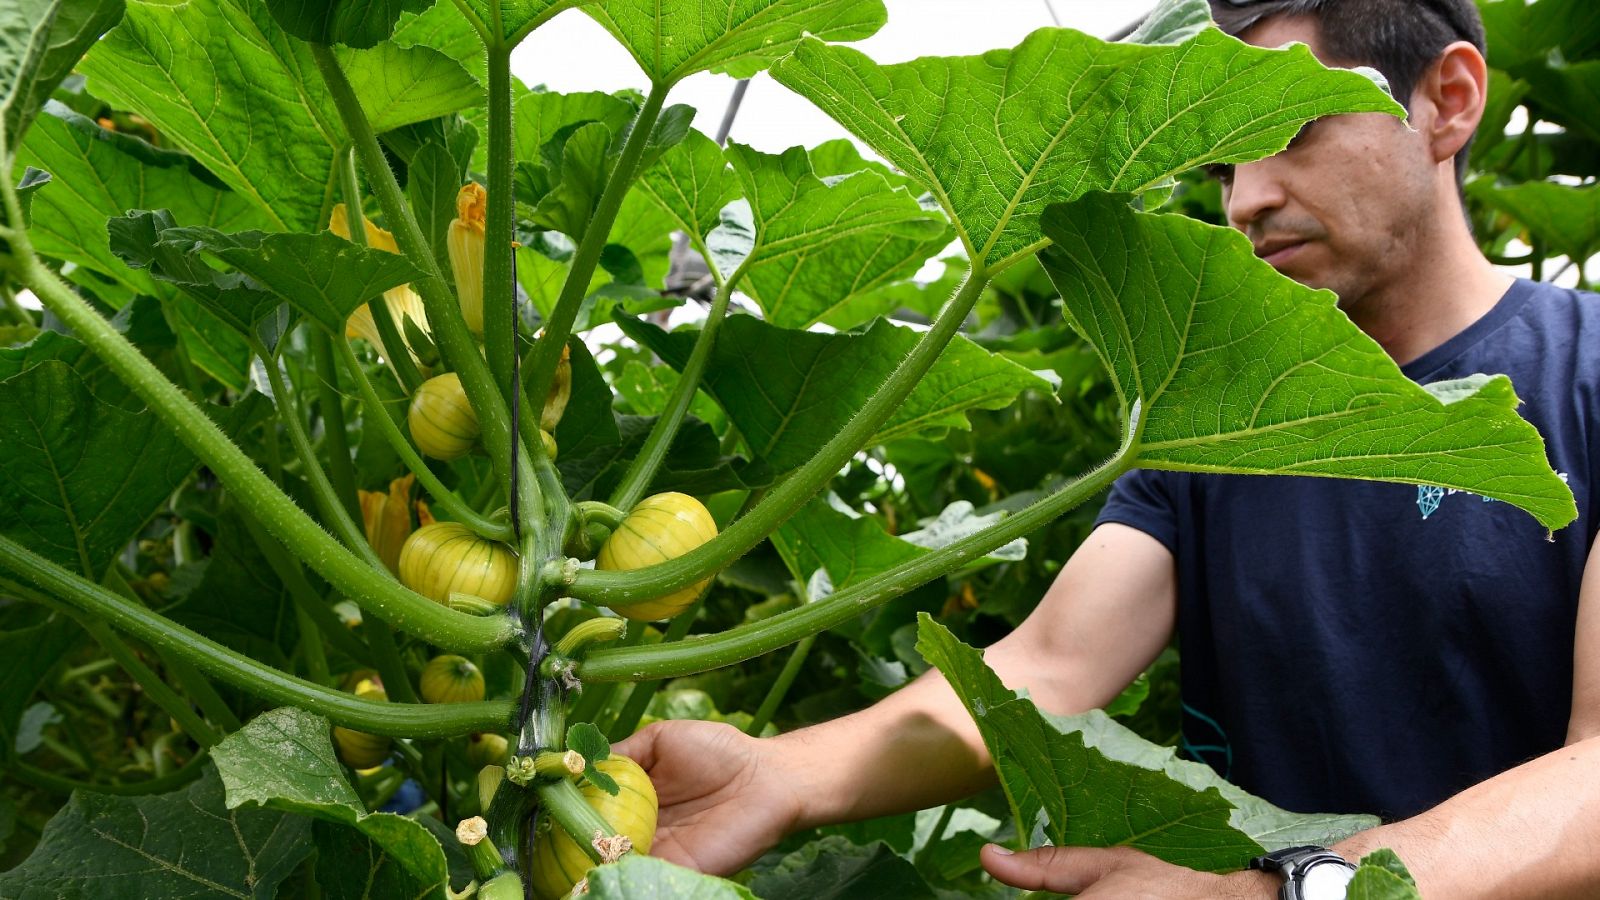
(499, 294)
(566, 805)
(752, 640)
(620, 588)
(414, 720)
(644, 466)
(546, 353)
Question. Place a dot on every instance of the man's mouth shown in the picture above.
(1278, 252)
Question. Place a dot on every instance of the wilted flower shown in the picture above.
(466, 252)
(387, 519)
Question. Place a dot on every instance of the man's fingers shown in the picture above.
(1063, 870)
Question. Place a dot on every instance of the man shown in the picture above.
(1347, 646)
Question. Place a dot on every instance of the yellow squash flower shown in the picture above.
(403, 302)
(466, 252)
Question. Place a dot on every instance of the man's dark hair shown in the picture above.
(1400, 38)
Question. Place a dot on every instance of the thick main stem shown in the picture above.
(749, 641)
(275, 510)
(394, 719)
(546, 353)
(618, 588)
(643, 469)
(499, 295)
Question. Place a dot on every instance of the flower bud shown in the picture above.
(466, 252)
(387, 519)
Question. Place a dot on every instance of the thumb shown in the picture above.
(1061, 870)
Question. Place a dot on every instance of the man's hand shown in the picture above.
(1090, 873)
(725, 797)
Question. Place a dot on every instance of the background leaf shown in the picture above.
(40, 42)
(358, 23)
(401, 85)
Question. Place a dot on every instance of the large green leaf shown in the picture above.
(40, 42)
(401, 85)
(1568, 95)
(637, 876)
(788, 390)
(848, 548)
(1228, 366)
(283, 760)
(1521, 34)
(223, 82)
(357, 23)
(1100, 785)
(816, 246)
(507, 22)
(322, 275)
(235, 299)
(672, 39)
(443, 27)
(1382, 876)
(1564, 219)
(997, 137)
(692, 183)
(79, 476)
(182, 844)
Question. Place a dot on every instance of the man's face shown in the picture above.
(1345, 204)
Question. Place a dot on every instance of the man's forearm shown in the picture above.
(1529, 832)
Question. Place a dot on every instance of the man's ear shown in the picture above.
(1455, 90)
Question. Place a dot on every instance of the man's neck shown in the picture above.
(1432, 297)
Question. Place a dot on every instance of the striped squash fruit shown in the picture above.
(451, 679)
(558, 861)
(448, 558)
(441, 418)
(659, 528)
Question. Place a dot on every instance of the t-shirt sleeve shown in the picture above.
(1142, 499)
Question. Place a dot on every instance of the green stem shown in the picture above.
(546, 354)
(453, 505)
(780, 688)
(643, 469)
(415, 720)
(499, 295)
(749, 641)
(450, 332)
(394, 348)
(154, 688)
(617, 589)
(50, 781)
(330, 403)
(562, 800)
(254, 490)
(316, 655)
(322, 492)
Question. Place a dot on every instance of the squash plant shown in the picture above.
(316, 283)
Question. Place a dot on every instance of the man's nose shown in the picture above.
(1255, 191)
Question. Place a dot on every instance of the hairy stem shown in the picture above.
(394, 719)
(749, 641)
(644, 466)
(254, 490)
(499, 294)
(620, 588)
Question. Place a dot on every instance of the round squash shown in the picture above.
(661, 527)
(558, 861)
(451, 679)
(448, 558)
(487, 749)
(441, 418)
(360, 750)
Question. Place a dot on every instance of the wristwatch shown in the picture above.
(1309, 873)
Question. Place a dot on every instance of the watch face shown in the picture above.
(1326, 881)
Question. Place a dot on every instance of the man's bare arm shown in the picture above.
(1108, 614)
(1531, 831)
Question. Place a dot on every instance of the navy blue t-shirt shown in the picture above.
(1356, 646)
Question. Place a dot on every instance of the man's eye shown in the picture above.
(1222, 172)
